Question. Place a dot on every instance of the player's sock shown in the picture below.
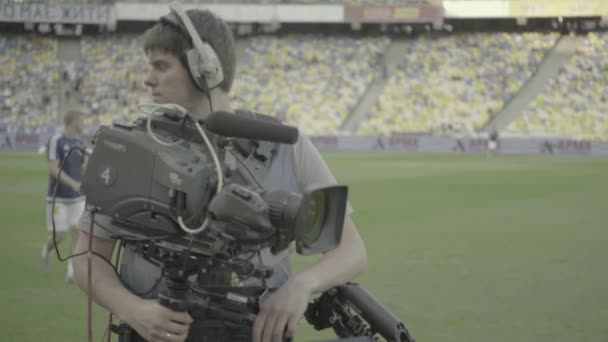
(46, 265)
(69, 278)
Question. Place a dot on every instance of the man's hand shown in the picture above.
(280, 313)
(76, 186)
(156, 323)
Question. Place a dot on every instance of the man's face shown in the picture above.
(78, 125)
(168, 80)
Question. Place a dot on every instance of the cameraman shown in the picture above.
(295, 168)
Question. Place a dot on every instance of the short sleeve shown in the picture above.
(53, 149)
(311, 169)
(103, 225)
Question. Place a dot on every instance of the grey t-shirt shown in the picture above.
(295, 168)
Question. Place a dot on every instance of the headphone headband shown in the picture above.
(202, 61)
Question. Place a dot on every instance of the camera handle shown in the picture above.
(354, 312)
(173, 292)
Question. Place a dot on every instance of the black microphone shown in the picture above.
(263, 128)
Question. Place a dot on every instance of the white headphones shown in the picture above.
(202, 61)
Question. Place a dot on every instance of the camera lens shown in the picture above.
(315, 216)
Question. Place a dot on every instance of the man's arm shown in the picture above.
(65, 178)
(106, 288)
(339, 265)
(150, 319)
(279, 315)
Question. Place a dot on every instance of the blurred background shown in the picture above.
(403, 98)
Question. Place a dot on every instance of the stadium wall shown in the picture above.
(44, 12)
(448, 144)
(19, 138)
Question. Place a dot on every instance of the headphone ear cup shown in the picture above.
(204, 63)
(195, 68)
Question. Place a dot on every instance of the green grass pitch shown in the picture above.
(461, 248)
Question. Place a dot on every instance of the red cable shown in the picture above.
(105, 332)
(116, 262)
(89, 280)
(108, 329)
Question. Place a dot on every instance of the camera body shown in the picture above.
(137, 181)
(147, 187)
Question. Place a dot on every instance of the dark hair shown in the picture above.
(211, 28)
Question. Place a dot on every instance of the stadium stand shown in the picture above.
(29, 79)
(574, 103)
(455, 82)
(310, 80)
(112, 70)
(211, 1)
(81, 2)
(315, 81)
(316, 2)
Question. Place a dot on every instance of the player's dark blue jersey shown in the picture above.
(57, 149)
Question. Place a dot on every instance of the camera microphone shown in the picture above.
(260, 127)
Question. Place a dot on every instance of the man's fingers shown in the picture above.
(292, 325)
(176, 328)
(258, 326)
(268, 328)
(165, 336)
(279, 328)
(177, 338)
(178, 317)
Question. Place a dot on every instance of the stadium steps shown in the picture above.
(560, 54)
(241, 46)
(68, 51)
(365, 104)
(394, 54)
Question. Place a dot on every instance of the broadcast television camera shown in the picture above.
(183, 198)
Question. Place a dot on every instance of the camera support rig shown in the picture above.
(205, 271)
(350, 310)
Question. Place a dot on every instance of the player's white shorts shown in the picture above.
(65, 216)
(492, 145)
